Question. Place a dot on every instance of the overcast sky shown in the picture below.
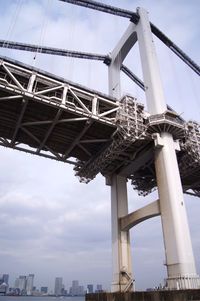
(51, 225)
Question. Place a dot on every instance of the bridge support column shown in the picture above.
(121, 253)
(178, 248)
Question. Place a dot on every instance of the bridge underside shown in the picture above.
(53, 118)
(48, 116)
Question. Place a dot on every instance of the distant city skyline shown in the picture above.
(24, 285)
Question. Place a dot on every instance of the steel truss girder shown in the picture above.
(130, 127)
(78, 100)
(19, 83)
(134, 136)
(18, 125)
(23, 148)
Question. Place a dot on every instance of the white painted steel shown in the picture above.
(179, 255)
(41, 96)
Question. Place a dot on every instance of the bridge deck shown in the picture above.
(46, 115)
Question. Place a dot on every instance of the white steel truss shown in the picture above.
(130, 128)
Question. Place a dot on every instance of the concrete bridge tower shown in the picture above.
(178, 248)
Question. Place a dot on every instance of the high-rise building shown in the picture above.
(75, 288)
(58, 286)
(22, 283)
(90, 288)
(75, 283)
(16, 285)
(1, 279)
(81, 291)
(5, 278)
(29, 284)
(4, 283)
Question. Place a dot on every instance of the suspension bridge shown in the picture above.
(46, 115)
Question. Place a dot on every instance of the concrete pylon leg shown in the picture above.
(178, 248)
(121, 253)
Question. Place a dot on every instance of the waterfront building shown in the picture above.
(22, 283)
(29, 284)
(58, 286)
(76, 289)
(3, 288)
(16, 285)
(4, 283)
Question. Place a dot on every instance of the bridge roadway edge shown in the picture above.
(165, 295)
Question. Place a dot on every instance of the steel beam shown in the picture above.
(137, 162)
(24, 103)
(19, 121)
(32, 152)
(49, 131)
(13, 77)
(78, 93)
(77, 139)
(39, 142)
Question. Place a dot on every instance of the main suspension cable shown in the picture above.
(51, 50)
(76, 54)
(134, 17)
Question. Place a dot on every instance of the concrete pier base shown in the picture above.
(176, 295)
